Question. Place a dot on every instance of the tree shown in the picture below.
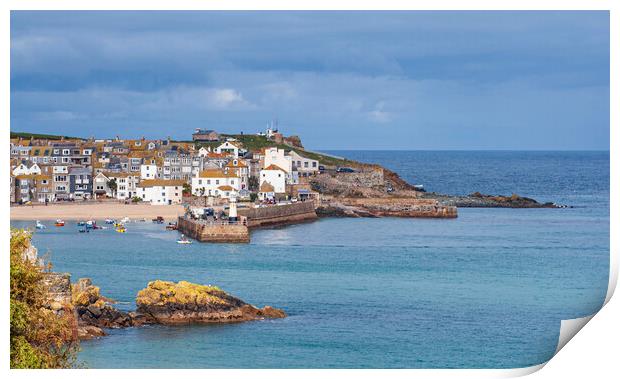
(113, 186)
(202, 193)
(40, 338)
(187, 189)
(253, 183)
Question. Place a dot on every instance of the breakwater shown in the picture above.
(205, 231)
(279, 214)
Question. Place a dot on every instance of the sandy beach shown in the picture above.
(96, 211)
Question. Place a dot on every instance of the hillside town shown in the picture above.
(162, 171)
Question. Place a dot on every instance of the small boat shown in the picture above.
(171, 226)
(158, 220)
(81, 223)
(110, 221)
(38, 225)
(83, 230)
(140, 220)
(59, 222)
(183, 240)
(125, 220)
(121, 230)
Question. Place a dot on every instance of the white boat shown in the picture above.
(125, 220)
(183, 240)
(109, 221)
(38, 225)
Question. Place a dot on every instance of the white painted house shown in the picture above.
(149, 171)
(27, 169)
(215, 183)
(126, 184)
(275, 176)
(229, 148)
(305, 166)
(161, 192)
(100, 185)
(241, 169)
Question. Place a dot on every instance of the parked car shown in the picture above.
(345, 169)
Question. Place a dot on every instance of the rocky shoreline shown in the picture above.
(162, 302)
(373, 191)
(478, 200)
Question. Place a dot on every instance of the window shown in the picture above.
(217, 181)
(163, 194)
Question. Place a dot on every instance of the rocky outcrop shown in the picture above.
(95, 311)
(478, 200)
(386, 207)
(184, 303)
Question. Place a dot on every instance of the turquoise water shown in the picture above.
(486, 290)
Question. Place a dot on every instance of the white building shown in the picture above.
(305, 166)
(27, 169)
(161, 192)
(239, 168)
(100, 185)
(275, 156)
(126, 184)
(275, 176)
(149, 171)
(215, 183)
(228, 147)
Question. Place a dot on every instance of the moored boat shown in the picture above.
(59, 222)
(38, 225)
(183, 240)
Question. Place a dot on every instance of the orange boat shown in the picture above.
(59, 222)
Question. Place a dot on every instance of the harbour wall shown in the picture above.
(279, 214)
(214, 232)
(403, 207)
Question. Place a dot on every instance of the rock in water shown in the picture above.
(183, 303)
(95, 312)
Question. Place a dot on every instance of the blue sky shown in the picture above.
(340, 80)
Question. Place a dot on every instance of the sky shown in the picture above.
(340, 80)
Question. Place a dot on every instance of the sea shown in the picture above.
(485, 290)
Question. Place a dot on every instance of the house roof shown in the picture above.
(225, 188)
(161, 183)
(274, 167)
(266, 187)
(216, 174)
(120, 174)
(239, 163)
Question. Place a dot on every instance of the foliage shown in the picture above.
(187, 189)
(40, 338)
(253, 183)
(160, 292)
(26, 135)
(253, 197)
(112, 185)
(136, 199)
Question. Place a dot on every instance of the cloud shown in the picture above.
(223, 98)
(379, 115)
(439, 79)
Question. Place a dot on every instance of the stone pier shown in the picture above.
(220, 232)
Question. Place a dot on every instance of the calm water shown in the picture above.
(485, 290)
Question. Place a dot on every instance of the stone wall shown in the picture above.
(403, 207)
(214, 232)
(280, 214)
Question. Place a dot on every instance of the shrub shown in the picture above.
(40, 338)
